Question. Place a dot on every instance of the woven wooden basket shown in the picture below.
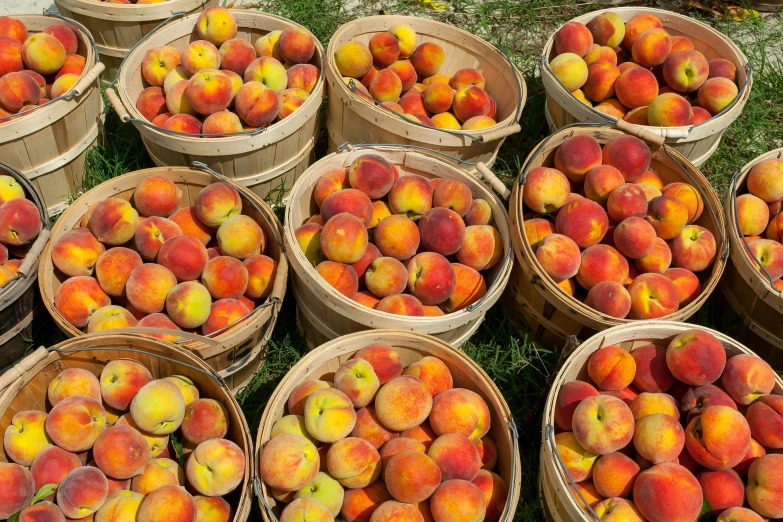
(236, 354)
(49, 145)
(326, 313)
(19, 298)
(118, 27)
(561, 504)
(749, 291)
(24, 387)
(352, 119)
(322, 362)
(695, 142)
(536, 303)
(266, 161)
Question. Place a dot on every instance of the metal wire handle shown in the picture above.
(349, 147)
(726, 250)
(257, 489)
(549, 434)
(174, 14)
(515, 434)
(733, 196)
(272, 301)
(211, 373)
(460, 134)
(204, 167)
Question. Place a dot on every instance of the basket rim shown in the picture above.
(344, 89)
(739, 104)
(89, 5)
(591, 344)
(453, 319)
(60, 108)
(286, 127)
(735, 238)
(424, 343)
(44, 278)
(559, 298)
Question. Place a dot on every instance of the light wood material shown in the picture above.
(19, 302)
(268, 163)
(562, 505)
(353, 119)
(322, 362)
(49, 145)
(697, 143)
(537, 304)
(748, 291)
(29, 390)
(117, 27)
(338, 315)
(236, 353)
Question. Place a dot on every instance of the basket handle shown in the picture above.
(514, 468)
(550, 437)
(165, 331)
(640, 132)
(733, 196)
(87, 80)
(119, 108)
(257, 491)
(253, 354)
(502, 132)
(204, 167)
(22, 367)
(493, 180)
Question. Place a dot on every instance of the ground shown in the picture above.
(518, 368)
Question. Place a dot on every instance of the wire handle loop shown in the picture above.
(350, 146)
(549, 434)
(204, 167)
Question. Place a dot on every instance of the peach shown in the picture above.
(152, 233)
(603, 424)
(185, 256)
(386, 276)
(76, 252)
(470, 102)
(685, 70)
(288, 462)
(78, 298)
(198, 56)
(370, 255)
(114, 221)
(721, 68)
(10, 189)
(635, 238)
(236, 55)
(73, 381)
(204, 419)
(573, 37)
(763, 488)
(456, 456)
(385, 86)
(209, 91)
(488, 452)
(577, 155)
(411, 476)
(268, 45)
(344, 238)
(223, 314)
(600, 53)
(454, 195)
(188, 304)
(330, 181)
(43, 53)
(82, 492)
(384, 48)
(287, 424)
(174, 76)
(570, 70)
(50, 466)
(694, 249)
(406, 37)
(607, 29)
(716, 94)
(183, 123)
(359, 504)
(617, 510)
(546, 190)
(403, 402)
(752, 215)
(467, 77)
(257, 105)
(638, 116)
(601, 263)
(20, 222)
(150, 103)
(696, 357)
(577, 460)
(13, 28)
(697, 399)
(350, 201)
(495, 493)
(629, 154)
(161, 503)
(109, 318)
(659, 437)
(657, 261)
(458, 501)
(438, 97)
(25, 437)
(626, 201)
(614, 475)
(357, 380)
(411, 195)
(296, 45)
(763, 182)
(340, 276)
(652, 372)
(120, 505)
(668, 216)
(366, 298)
(308, 237)
(719, 438)
(216, 467)
(651, 47)
(296, 401)
(147, 287)
(688, 285)
(262, 271)
(461, 411)
(158, 63)
(667, 492)
(559, 256)
(121, 380)
(186, 386)
(442, 230)
(329, 415)
(41, 512)
(217, 25)
(390, 510)
(18, 90)
(433, 372)
(680, 43)
(536, 230)
(610, 298)
(739, 514)
(583, 221)
(156, 196)
(303, 76)
(64, 83)
(354, 462)
(568, 398)
(158, 444)
(688, 195)
(611, 368)
(158, 407)
(394, 107)
(405, 71)
(325, 490)
(764, 418)
(225, 277)
(769, 254)
(177, 100)
(670, 110)
(747, 378)
(369, 428)
(371, 174)
(384, 360)
(353, 59)
(600, 181)
(397, 445)
(471, 286)
(239, 237)
(600, 84)
(428, 58)
(422, 433)
(121, 452)
(722, 489)
(397, 236)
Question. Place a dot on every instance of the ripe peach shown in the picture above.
(607, 29)
(600, 84)
(739, 514)
(442, 230)
(696, 357)
(261, 272)
(109, 318)
(600, 182)
(583, 221)
(303, 76)
(41, 512)
(546, 190)
(629, 155)
(385, 49)
(751, 214)
(43, 53)
(626, 201)
(386, 276)
(410, 195)
(325, 490)
(453, 195)
(121, 452)
(198, 56)
(635, 237)
(354, 462)
(657, 261)
(422, 433)
(359, 504)
(685, 70)
(659, 437)
(600, 53)
(397, 445)
(722, 489)
(236, 55)
(371, 174)
(577, 460)
(369, 428)
(73, 381)
(77, 252)
(397, 392)
(428, 58)
(357, 380)
(601, 263)
(330, 181)
(113, 221)
(78, 298)
(340, 276)
(174, 76)
(438, 97)
(183, 123)
(223, 314)
(716, 94)
(577, 155)
(156, 196)
(536, 230)
(296, 45)
(162, 502)
(611, 368)
(470, 287)
(764, 418)
(719, 438)
(288, 462)
(329, 415)
(670, 110)
(769, 254)
(158, 407)
(370, 255)
(188, 304)
(762, 491)
(217, 25)
(151, 102)
(458, 500)
(18, 90)
(668, 216)
(747, 377)
(257, 105)
(570, 69)
(694, 249)
(456, 456)
(353, 59)
(351, 201)
(267, 45)
(287, 424)
(50, 466)
(82, 492)
(384, 360)
(240, 237)
(763, 182)
(397, 236)
(617, 509)
(488, 452)
(697, 399)
(296, 401)
(610, 298)
(177, 100)
(411, 476)
(147, 287)
(405, 71)
(385, 86)
(433, 372)
(185, 256)
(448, 417)
(721, 68)
(75, 423)
(614, 475)
(64, 83)
(573, 37)
(158, 473)
(121, 380)
(568, 398)
(308, 237)
(559, 256)
(407, 38)
(152, 233)
(26, 437)
(667, 491)
(20, 222)
(470, 102)
(225, 277)
(688, 195)
(204, 419)
(209, 91)
(344, 238)
(158, 63)
(652, 47)
(13, 28)
(652, 373)
(158, 444)
(603, 424)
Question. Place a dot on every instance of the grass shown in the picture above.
(519, 368)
